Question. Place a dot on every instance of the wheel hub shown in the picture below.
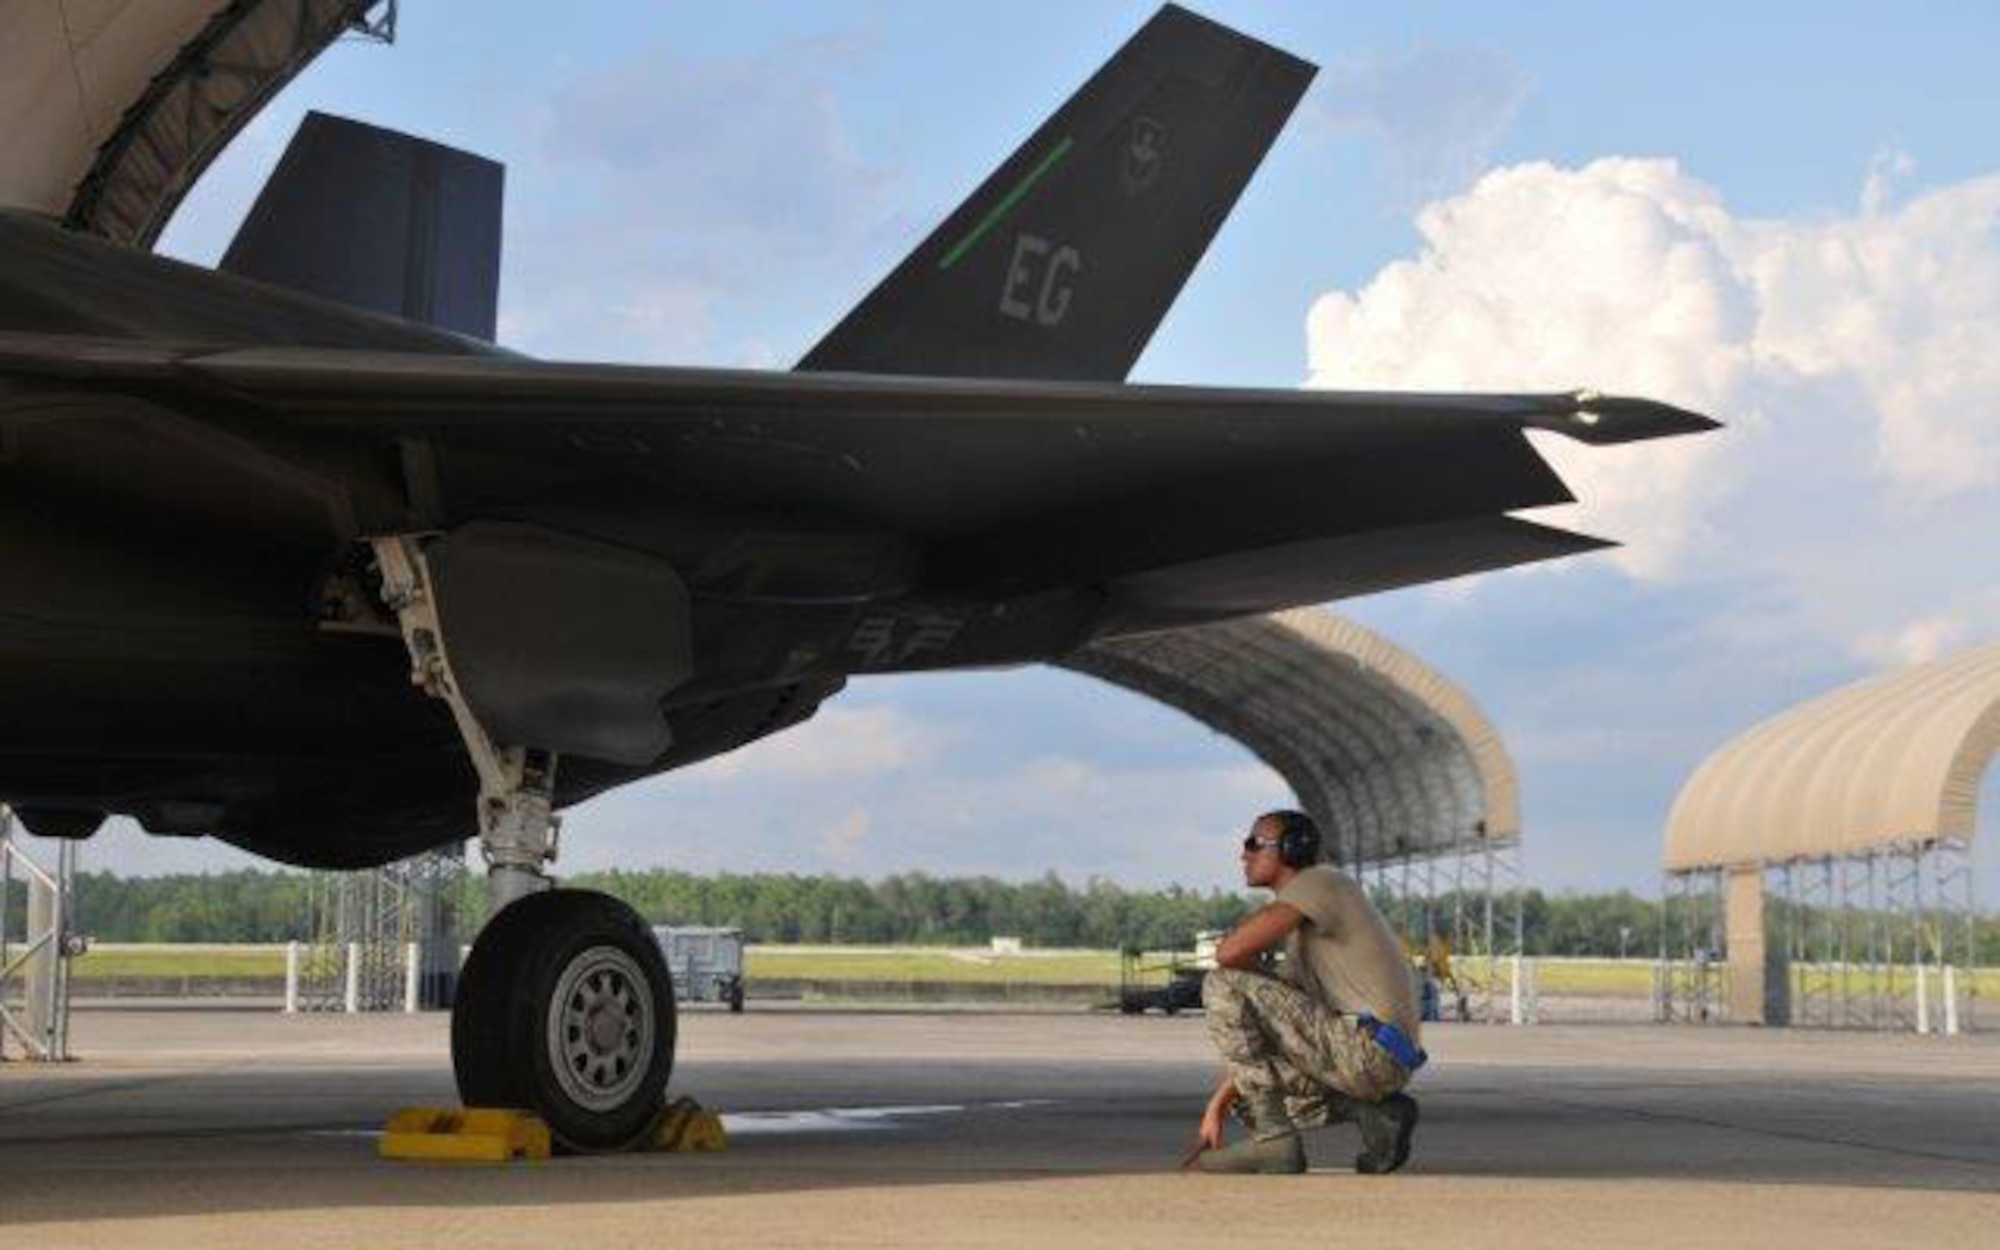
(607, 1026)
(601, 1023)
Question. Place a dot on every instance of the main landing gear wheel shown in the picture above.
(566, 1008)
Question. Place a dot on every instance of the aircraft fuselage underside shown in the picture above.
(227, 668)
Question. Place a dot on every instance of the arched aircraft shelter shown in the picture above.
(115, 108)
(1859, 807)
(1410, 781)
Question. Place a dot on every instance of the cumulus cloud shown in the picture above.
(1540, 278)
(1884, 172)
(1906, 304)
(1856, 360)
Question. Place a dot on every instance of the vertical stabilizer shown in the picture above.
(1063, 263)
(379, 220)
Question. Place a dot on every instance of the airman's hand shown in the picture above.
(1210, 1133)
(1207, 1137)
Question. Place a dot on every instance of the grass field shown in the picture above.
(1567, 977)
(179, 961)
(771, 962)
(821, 963)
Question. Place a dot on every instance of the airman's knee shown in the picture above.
(1224, 985)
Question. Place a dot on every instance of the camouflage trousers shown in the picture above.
(1275, 1037)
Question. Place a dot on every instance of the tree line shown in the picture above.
(904, 909)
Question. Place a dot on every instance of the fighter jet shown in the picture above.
(297, 558)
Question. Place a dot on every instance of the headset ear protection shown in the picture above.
(1298, 840)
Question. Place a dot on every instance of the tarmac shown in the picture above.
(219, 1127)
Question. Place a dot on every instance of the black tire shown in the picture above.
(736, 999)
(594, 1065)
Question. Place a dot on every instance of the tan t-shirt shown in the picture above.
(1345, 953)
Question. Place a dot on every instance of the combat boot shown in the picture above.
(1271, 1156)
(1273, 1149)
(1386, 1127)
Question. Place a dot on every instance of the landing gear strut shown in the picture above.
(565, 1005)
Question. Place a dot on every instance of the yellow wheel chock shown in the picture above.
(686, 1126)
(468, 1134)
(500, 1134)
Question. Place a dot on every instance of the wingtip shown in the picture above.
(1598, 419)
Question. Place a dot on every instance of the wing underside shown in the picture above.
(1192, 499)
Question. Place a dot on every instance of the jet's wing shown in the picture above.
(1001, 485)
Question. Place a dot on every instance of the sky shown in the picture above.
(1784, 215)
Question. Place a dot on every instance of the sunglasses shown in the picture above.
(1254, 844)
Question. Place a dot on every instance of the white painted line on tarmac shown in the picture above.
(856, 1119)
(813, 1120)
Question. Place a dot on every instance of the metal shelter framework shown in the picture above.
(38, 939)
(115, 107)
(384, 939)
(1408, 778)
(1856, 812)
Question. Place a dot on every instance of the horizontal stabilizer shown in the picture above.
(1065, 260)
(1341, 566)
(379, 220)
